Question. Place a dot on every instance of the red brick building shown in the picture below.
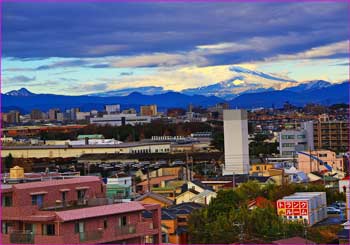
(73, 211)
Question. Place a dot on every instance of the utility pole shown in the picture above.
(233, 180)
(148, 181)
(187, 178)
(192, 172)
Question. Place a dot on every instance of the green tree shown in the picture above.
(8, 162)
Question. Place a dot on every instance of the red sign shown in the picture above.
(280, 204)
(304, 212)
(303, 204)
(296, 204)
(296, 212)
(289, 204)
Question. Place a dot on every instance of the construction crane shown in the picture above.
(329, 168)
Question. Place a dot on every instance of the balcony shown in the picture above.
(22, 237)
(28, 237)
(90, 235)
(126, 230)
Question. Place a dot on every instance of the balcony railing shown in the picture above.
(126, 230)
(22, 237)
(90, 235)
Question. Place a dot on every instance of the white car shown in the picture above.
(333, 210)
(341, 205)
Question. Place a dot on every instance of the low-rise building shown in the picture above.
(154, 198)
(67, 150)
(293, 140)
(319, 161)
(120, 119)
(175, 222)
(73, 211)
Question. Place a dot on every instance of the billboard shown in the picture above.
(292, 208)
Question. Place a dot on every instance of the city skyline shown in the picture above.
(82, 48)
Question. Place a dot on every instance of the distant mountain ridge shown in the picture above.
(147, 90)
(321, 92)
(20, 92)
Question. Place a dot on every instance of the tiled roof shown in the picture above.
(155, 196)
(84, 213)
(47, 183)
(157, 180)
(167, 215)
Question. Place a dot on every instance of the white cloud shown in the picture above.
(317, 52)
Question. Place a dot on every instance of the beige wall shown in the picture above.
(32, 152)
(185, 197)
(307, 166)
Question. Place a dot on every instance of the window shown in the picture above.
(48, 229)
(285, 137)
(29, 227)
(105, 224)
(301, 136)
(38, 200)
(5, 227)
(123, 221)
(76, 227)
(6, 201)
(322, 155)
(81, 195)
(64, 197)
(79, 227)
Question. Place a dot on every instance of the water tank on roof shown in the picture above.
(16, 173)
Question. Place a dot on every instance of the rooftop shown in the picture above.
(104, 210)
(48, 183)
(155, 196)
(157, 180)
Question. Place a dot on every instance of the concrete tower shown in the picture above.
(236, 142)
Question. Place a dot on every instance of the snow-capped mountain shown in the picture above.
(20, 92)
(309, 85)
(147, 90)
(243, 81)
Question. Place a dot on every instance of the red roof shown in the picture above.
(294, 240)
(84, 213)
(47, 183)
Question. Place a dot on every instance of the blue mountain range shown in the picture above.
(321, 92)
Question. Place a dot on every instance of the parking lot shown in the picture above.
(333, 219)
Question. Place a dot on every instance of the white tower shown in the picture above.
(236, 142)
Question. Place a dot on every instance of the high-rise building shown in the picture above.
(36, 114)
(236, 142)
(53, 114)
(11, 117)
(331, 135)
(112, 109)
(149, 110)
(293, 140)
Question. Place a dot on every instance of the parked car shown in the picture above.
(177, 163)
(340, 205)
(333, 210)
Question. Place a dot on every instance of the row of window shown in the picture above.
(39, 199)
(49, 229)
(288, 137)
(149, 150)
